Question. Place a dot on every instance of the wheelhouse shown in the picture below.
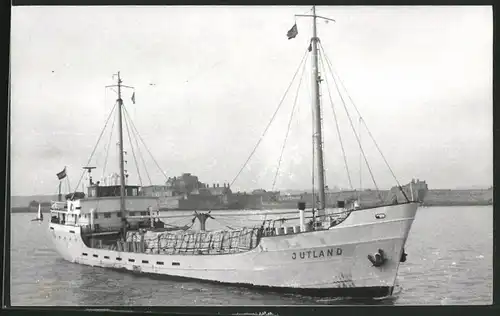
(100, 208)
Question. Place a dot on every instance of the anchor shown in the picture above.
(403, 256)
(378, 259)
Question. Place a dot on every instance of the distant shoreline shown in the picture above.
(434, 197)
(458, 203)
(25, 210)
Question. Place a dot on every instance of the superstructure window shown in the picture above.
(118, 259)
(144, 213)
(131, 260)
(96, 216)
(160, 263)
(145, 261)
(131, 213)
(107, 215)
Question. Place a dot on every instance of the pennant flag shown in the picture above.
(292, 32)
(133, 97)
(62, 174)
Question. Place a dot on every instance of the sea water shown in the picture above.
(450, 254)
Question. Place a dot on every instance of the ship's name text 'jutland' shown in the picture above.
(316, 254)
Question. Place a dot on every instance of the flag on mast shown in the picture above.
(61, 175)
(133, 97)
(292, 32)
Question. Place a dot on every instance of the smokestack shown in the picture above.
(213, 185)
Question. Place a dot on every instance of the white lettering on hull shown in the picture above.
(315, 254)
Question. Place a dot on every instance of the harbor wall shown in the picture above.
(458, 197)
(437, 197)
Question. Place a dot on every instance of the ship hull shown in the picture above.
(330, 262)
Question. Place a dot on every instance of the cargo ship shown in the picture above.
(350, 250)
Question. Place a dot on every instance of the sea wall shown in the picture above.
(438, 197)
(373, 197)
(24, 201)
(458, 197)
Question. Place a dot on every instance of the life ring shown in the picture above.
(377, 259)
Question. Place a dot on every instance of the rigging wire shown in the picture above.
(366, 126)
(133, 152)
(360, 161)
(129, 119)
(289, 124)
(175, 222)
(313, 202)
(272, 118)
(95, 147)
(139, 135)
(354, 130)
(107, 149)
(139, 150)
(68, 185)
(106, 157)
(336, 123)
(224, 223)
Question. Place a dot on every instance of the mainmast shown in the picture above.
(318, 139)
(317, 130)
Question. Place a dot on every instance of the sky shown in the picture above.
(208, 79)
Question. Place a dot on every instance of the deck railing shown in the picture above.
(98, 229)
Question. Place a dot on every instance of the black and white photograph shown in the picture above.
(251, 155)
